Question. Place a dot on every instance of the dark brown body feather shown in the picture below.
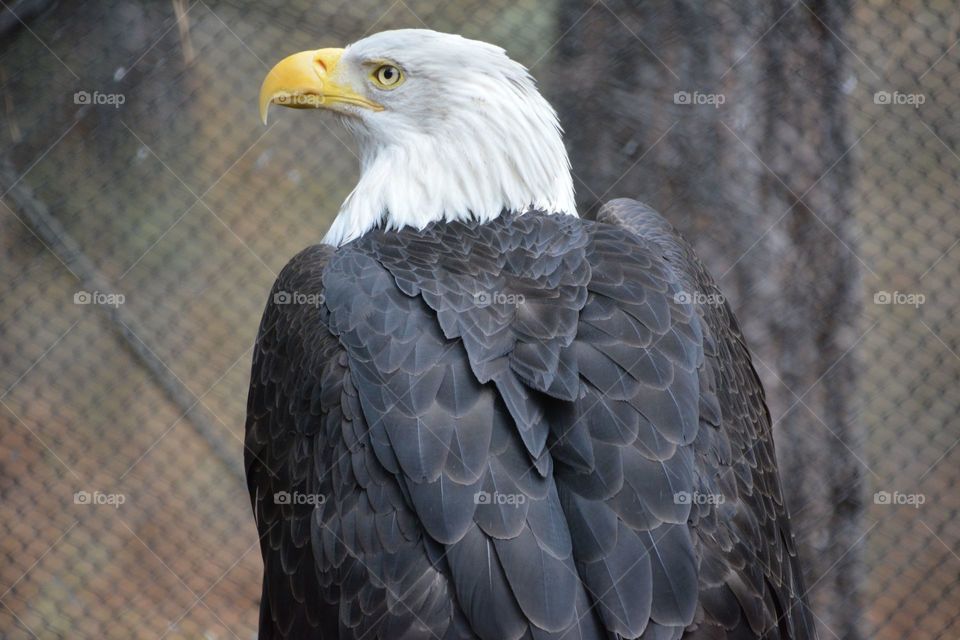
(540, 427)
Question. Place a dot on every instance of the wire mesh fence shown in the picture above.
(145, 214)
(906, 110)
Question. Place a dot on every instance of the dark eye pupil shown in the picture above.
(388, 73)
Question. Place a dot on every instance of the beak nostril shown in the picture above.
(324, 61)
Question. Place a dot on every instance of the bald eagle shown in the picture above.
(474, 414)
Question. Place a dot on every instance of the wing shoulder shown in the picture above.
(292, 338)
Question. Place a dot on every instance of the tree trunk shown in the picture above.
(729, 119)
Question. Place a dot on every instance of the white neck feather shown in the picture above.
(479, 158)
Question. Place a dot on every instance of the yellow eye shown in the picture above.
(387, 76)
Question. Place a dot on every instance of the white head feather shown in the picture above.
(467, 135)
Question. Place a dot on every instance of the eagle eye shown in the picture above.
(387, 76)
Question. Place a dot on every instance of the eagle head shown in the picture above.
(448, 129)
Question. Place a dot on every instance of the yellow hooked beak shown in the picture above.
(307, 80)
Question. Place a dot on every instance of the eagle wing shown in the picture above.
(750, 581)
(506, 431)
(344, 555)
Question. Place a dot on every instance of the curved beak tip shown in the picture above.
(299, 80)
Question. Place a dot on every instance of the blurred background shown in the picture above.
(808, 149)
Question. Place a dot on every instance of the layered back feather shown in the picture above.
(538, 427)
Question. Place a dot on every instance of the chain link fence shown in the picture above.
(906, 109)
(145, 213)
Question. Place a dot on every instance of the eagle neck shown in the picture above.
(469, 171)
